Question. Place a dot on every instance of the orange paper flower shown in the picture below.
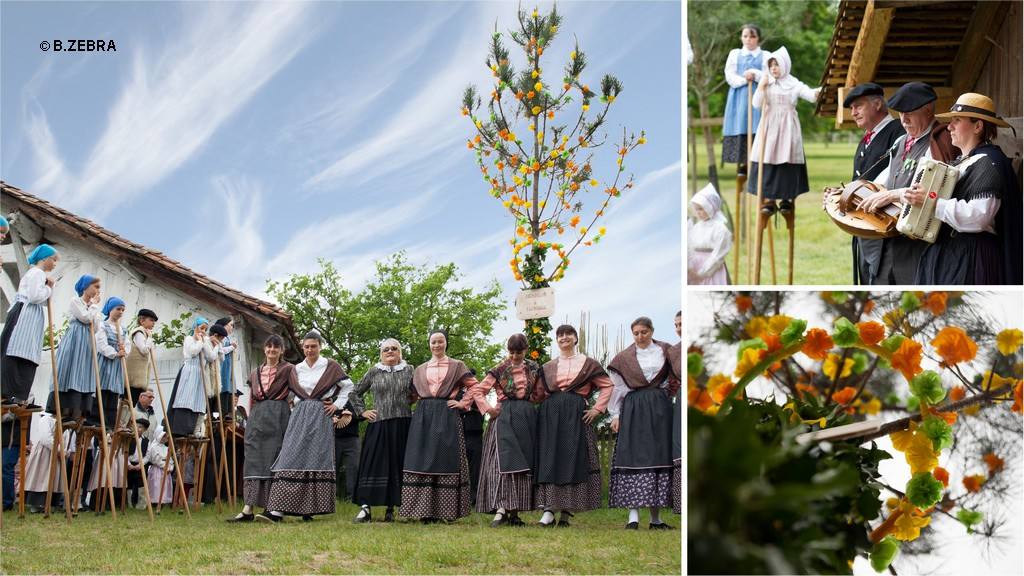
(973, 483)
(817, 344)
(1018, 404)
(936, 302)
(942, 475)
(844, 396)
(744, 303)
(907, 359)
(871, 332)
(954, 345)
(957, 394)
(995, 463)
(699, 399)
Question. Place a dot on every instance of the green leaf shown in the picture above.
(883, 553)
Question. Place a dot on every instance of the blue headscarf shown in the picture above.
(84, 282)
(4, 223)
(112, 302)
(199, 322)
(41, 252)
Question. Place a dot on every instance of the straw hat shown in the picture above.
(973, 105)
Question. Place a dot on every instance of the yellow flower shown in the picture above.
(601, 230)
(873, 406)
(831, 364)
(583, 230)
(572, 55)
(586, 107)
(757, 326)
(536, 110)
(892, 503)
(751, 357)
(778, 323)
(538, 86)
(536, 330)
(534, 74)
(1009, 341)
(593, 182)
(917, 449)
(995, 381)
(641, 140)
(908, 525)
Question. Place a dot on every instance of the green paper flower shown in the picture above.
(909, 302)
(694, 364)
(860, 362)
(793, 332)
(969, 518)
(845, 333)
(892, 343)
(913, 404)
(938, 431)
(752, 343)
(923, 490)
(883, 553)
(927, 386)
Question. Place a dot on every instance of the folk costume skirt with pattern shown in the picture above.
(435, 480)
(677, 454)
(21, 343)
(509, 459)
(381, 460)
(304, 481)
(568, 468)
(76, 378)
(642, 462)
(264, 435)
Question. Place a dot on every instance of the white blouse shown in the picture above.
(651, 360)
(310, 375)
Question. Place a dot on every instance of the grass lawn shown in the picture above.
(821, 250)
(596, 543)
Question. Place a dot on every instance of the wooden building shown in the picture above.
(956, 47)
(141, 276)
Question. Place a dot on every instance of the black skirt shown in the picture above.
(645, 430)
(183, 421)
(734, 149)
(781, 181)
(433, 442)
(517, 435)
(562, 440)
(961, 258)
(379, 480)
(264, 435)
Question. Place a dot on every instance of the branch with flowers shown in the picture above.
(850, 353)
(543, 179)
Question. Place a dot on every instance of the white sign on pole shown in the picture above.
(538, 303)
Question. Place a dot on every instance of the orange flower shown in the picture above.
(844, 396)
(871, 332)
(772, 340)
(995, 463)
(744, 303)
(1018, 401)
(957, 394)
(534, 354)
(973, 483)
(942, 475)
(699, 399)
(936, 302)
(869, 305)
(721, 391)
(817, 345)
(574, 221)
(949, 417)
(907, 359)
(954, 345)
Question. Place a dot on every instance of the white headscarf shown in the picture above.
(709, 201)
(781, 56)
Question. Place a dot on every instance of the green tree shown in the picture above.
(543, 178)
(401, 301)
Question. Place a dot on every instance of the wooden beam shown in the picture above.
(976, 44)
(870, 41)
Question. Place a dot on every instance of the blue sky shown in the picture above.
(248, 140)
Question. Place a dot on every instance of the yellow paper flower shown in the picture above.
(756, 327)
(908, 525)
(1009, 341)
(778, 323)
(535, 110)
(832, 364)
(538, 86)
(872, 407)
(751, 357)
(917, 449)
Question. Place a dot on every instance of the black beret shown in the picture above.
(147, 313)
(865, 89)
(223, 321)
(912, 96)
(218, 330)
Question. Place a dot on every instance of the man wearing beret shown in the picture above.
(897, 261)
(868, 109)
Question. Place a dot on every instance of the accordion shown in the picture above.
(920, 222)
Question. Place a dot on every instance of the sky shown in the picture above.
(961, 553)
(250, 140)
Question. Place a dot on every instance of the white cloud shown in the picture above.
(174, 102)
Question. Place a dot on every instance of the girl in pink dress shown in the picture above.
(708, 240)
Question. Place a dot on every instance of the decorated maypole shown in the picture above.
(534, 143)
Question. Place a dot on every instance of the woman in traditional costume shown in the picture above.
(75, 353)
(675, 360)
(110, 349)
(21, 342)
(435, 482)
(980, 238)
(269, 387)
(642, 416)
(785, 166)
(188, 397)
(304, 481)
(742, 73)
(568, 469)
(510, 448)
(379, 480)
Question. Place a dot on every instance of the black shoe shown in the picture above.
(502, 521)
(660, 526)
(307, 518)
(768, 207)
(786, 207)
(268, 517)
(516, 521)
(633, 526)
(363, 518)
(563, 524)
(389, 516)
(242, 517)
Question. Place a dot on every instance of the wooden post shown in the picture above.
(223, 468)
(762, 128)
(59, 446)
(234, 427)
(135, 427)
(104, 453)
(170, 437)
(209, 432)
(746, 199)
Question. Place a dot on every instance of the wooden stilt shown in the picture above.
(761, 218)
(171, 451)
(234, 447)
(209, 433)
(59, 446)
(791, 228)
(106, 473)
